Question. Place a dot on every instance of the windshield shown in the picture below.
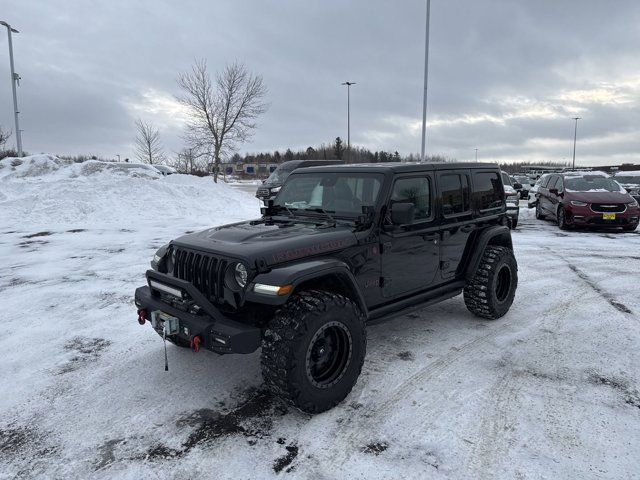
(591, 183)
(628, 179)
(523, 180)
(343, 194)
(280, 174)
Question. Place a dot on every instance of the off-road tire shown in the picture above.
(486, 295)
(287, 343)
(562, 219)
(539, 214)
(514, 223)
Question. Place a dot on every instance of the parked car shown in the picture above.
(165, 169)
(631, 182)
(340, 247)
(513, 200)
(532, 199)
(576, 199)
(272, 185)
(525, 185)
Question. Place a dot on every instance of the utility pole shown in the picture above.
(348, 84)
(15, 79)
(426, 77)
(575, 136)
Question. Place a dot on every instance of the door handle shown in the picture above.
(431, 238)
(466, 228)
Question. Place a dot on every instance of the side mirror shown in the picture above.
(517, 186)
(553, 191)
(402, 213)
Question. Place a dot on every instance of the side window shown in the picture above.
(545, 182)
(413, 190)
(454, 189)
(558, 184)
(488, 191)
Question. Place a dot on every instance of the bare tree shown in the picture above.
(190, 160)
(222, 114)
(148, 146)
(4, 136)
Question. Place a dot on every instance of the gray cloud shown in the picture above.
(505, 75)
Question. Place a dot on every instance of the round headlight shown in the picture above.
(241, 274)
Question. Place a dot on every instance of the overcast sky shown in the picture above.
(505, 76)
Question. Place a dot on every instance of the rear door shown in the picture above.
(410, 253)
(456, 220)
(543, 193)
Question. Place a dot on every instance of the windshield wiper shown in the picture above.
(324, 212)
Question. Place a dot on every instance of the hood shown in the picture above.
(599, 197)
(273, 242)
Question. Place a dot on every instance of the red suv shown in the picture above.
(586, 199)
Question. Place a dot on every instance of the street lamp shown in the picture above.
(348, 84)
(476, 154)
(575, 135)
(15, 78)
(426, 76)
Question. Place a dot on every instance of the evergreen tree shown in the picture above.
(338, 148)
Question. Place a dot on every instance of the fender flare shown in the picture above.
(299, 273)
(502, 236)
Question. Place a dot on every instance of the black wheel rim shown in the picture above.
(503, 283)
(329, 354)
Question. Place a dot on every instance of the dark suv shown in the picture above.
(582, 199)
(340, 247)
(272, 185)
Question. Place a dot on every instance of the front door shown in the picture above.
(411, 252)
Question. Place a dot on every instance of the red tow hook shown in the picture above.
(142, 316)
(195, 343)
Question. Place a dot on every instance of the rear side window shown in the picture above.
(414, 190)
(454, 189)
(488, 192)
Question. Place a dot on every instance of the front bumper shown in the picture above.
(586, 217)
(216, 332)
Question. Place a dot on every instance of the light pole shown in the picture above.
(348, 84)
(426, 77)
(15, 78)
(476, 154)
(575, 136)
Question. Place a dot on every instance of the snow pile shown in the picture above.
(54, 193)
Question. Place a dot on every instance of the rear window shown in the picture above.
(488, 192)
(455, 194)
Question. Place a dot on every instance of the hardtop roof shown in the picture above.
(400, 167)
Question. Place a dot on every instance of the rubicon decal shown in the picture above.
(309, 251)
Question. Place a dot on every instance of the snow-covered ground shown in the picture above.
(549, 391)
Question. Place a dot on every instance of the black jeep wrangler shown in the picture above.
(339, 247)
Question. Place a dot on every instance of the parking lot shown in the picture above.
(550, 390)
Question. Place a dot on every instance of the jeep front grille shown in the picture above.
(203, 270)
(608, 207)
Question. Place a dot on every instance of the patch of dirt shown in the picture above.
(77, 230)
(30, 243)
(253, 419)
(39, 234)
(285, 460)
(24, 448)
(407, 356)
(631, 396)
(86, 349)
(375, 447)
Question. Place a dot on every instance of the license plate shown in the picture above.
(608, 216)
